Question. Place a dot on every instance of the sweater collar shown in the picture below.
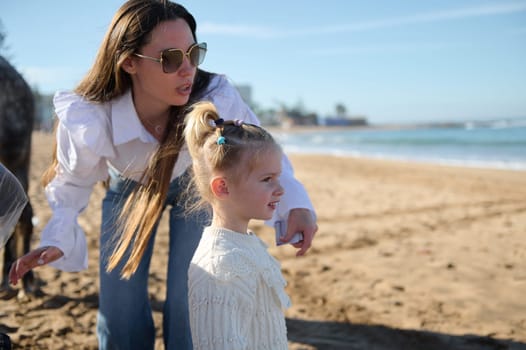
(244, 238)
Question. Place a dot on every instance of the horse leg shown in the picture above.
(9, 258)
(24, 233)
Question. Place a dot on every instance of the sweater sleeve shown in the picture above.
(220, 310)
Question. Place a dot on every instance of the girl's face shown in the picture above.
(150, 84)
(256, 196)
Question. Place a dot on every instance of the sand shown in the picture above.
(407, 256)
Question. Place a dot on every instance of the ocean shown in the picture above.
(490, 144)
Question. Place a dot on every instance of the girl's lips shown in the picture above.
(273, 205)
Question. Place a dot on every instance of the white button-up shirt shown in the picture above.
(94, 136)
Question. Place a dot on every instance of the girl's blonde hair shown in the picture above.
(215, 145)
(128, 32)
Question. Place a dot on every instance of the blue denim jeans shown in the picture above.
(124, 320)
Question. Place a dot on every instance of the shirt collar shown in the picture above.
(126, 123)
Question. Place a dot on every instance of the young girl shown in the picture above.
(236, 290)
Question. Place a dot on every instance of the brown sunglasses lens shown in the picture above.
(197, 54)
(173, 58)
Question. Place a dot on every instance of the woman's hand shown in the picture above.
(38, 257)
(301, 220)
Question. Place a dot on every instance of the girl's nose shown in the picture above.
(280, 190)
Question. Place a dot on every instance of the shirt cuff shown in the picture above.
(63, 232)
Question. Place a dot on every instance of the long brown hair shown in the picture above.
(129, 30)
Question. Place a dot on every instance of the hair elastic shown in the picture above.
(238, 122)
(219, 121)
(221, 140)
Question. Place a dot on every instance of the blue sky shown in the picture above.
(392, 61)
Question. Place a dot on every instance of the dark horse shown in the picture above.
(17, 115)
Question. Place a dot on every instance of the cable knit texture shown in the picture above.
(236, 293)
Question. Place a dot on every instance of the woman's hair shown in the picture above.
(129, 31)
(229, 147)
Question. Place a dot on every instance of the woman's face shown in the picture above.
(150, 84)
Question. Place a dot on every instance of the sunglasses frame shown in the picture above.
(198, 46)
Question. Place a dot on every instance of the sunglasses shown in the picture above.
(172, 59)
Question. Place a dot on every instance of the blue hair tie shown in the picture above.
(221, 140)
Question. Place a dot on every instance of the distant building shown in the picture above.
(290, 118)
(43, 112)
(345, 121)
(269, 118)
(246, 93)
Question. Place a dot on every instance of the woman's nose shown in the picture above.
(186, 68)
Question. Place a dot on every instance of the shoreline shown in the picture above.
(450, 148)
(521, 167)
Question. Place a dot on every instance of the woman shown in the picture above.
(125, 120)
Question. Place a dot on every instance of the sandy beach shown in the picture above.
(407, 256)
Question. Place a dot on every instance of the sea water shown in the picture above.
(496, 144)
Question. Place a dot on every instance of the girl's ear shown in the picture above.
(129, 65)
(219, 187)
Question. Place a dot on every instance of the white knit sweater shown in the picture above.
(236, 293)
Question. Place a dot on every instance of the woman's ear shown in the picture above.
(129, 65)
(219, 187)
